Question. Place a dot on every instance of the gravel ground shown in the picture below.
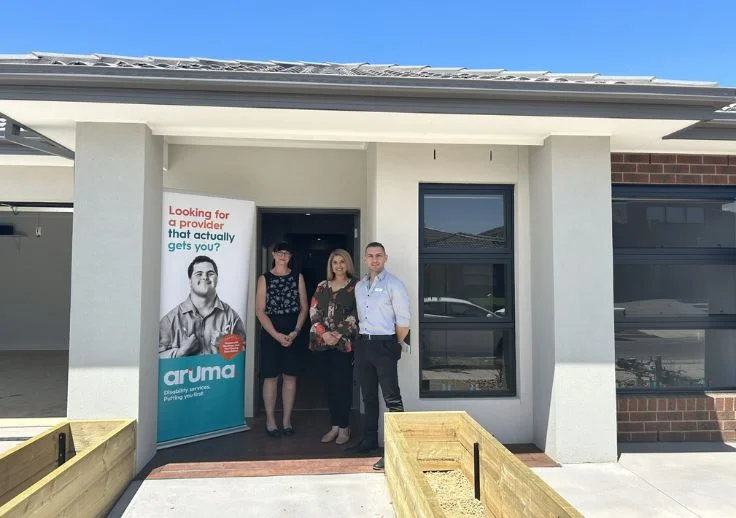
(455, 494)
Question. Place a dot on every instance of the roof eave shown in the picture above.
(721, 127)
(358, 93)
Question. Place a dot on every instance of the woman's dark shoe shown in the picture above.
(275, 433)
(288, 431)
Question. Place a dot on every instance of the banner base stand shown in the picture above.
(203, 436)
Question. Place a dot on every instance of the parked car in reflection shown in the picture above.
(468, 343)
(450, 307)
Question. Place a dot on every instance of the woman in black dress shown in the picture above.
(334, 326)
(281, 308)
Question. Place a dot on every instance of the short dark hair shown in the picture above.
(375, 244)
(200, 259)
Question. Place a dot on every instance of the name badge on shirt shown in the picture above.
(378, 289)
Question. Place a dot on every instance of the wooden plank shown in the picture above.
(508, 486)
(100, 497)
(29, 462)
(410, 492)
(53, 494)
(88, 432)
(419, 426)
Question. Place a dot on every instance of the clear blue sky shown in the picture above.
(670, 39)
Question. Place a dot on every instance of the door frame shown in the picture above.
(256, 382)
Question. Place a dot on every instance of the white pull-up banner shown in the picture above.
(204, 286)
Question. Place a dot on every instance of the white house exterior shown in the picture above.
(374, 141)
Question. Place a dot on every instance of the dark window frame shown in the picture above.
(673, 256)
(459, 255)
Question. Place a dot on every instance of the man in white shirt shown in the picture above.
(384, 319)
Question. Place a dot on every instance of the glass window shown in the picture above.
(674, 223)
(674, 290)
(464, 221)
(676, 359)
(461, 290)
(466, 283)
(464, 360)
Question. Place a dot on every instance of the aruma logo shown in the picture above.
(199, 373)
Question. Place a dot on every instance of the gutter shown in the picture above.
(72, 83)
(721, 127)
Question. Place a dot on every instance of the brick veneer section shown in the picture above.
(709, 417)
(660, 168)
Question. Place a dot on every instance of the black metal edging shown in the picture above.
(476, 469)
(62, 449)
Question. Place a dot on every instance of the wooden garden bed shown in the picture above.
(418, 442)
(78, 474)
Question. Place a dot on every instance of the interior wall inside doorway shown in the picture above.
(314, 235)
(34, 306)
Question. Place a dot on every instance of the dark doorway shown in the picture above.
(314, 235)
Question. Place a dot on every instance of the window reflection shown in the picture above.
(684, 290)
(642, 223)
(464, 221)
(454, 290)
(464, 360)
(676, 358)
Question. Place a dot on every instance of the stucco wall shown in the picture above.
(400, 169)
(36, 183)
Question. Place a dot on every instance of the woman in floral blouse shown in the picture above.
(334, 325)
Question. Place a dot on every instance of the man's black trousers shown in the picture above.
(375, 362)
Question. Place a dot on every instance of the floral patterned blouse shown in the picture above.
(282, 293)
(333, 311)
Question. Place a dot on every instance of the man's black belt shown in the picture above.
(378, 337)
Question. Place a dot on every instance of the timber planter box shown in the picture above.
(419, 442)
(76, 469)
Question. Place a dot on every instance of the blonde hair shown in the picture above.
(348, 263)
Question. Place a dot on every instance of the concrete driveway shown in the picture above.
(652, 480)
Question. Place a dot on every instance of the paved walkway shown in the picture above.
(653, 480)
(307, 496)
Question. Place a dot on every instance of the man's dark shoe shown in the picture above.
(378, 466)
(363, 447)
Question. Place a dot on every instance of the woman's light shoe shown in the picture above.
(331, 435)
(343, 436)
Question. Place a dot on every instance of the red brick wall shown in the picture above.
(708, 417)
(660, 168)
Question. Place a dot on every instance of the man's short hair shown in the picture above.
(375, 244)
(201, 259)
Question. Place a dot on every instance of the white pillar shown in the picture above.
(572, 299)
(116, 276)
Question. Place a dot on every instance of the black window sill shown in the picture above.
(476, 394)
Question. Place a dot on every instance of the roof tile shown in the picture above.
(316, 68)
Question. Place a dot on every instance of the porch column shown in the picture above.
(572, 299)
(116, 276)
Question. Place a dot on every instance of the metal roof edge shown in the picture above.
(145, 86)
(721, 127)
